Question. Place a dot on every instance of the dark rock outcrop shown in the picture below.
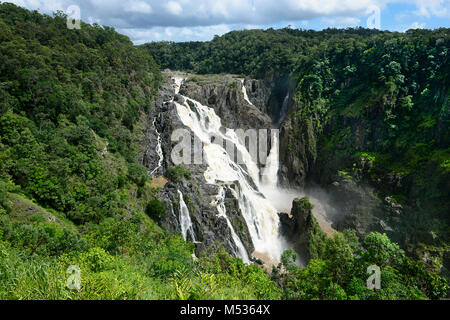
(258, 92)
(301, 228)
(298, 150)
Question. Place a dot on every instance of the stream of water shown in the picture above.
(185, 220)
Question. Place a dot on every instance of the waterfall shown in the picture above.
(220, 203)
(284, 108)
(280, 198)
(244, 91)
(177, 83)
(158, 149)
(185, 220)
(259, 214)
(270, 175)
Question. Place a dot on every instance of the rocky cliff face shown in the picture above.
(306, 162)
(301, 228)
(273, 96)
(360, 208)
(298, 149)
(224, 94)
(259, 92)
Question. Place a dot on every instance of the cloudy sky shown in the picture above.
(183, 20)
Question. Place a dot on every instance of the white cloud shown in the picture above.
(178, 13)
(341, 22)
(417, 25)
(92, 20)
(202, 17)
(429, 8)
(42, 5)
(137, 6)
(175, 33)
(174, 8)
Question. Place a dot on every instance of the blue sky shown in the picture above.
(184, 20)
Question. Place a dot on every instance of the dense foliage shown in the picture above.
(72, 192)
(404, 108)
(338, 270)
(379, 108)
(253, 52)
(70, 102)
(256, 53)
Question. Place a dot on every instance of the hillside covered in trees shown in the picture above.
(73, 108)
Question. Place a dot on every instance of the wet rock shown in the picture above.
(179, 98)
(258, 92)
(301, 227)
(257, 261)
(385, 226)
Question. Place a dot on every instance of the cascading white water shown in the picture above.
(270, 173)
(185, 220)
(220, 203)
(244, 91)
(177, 85)
(259, 214)
(158, 149)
